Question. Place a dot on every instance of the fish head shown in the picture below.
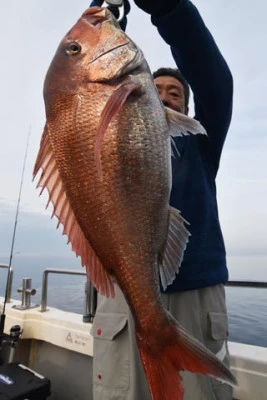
(94, 50)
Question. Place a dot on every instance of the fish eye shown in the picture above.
(73, 48)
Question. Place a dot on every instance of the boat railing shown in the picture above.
(90, 291)
(45, 282)
(9, 281)
(252, 284)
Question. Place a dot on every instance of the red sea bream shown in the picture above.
(105, 157)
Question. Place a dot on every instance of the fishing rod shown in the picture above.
(3, 316)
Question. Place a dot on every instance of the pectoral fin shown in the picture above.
(182, 125)
(177, 240)
(111, 109)
(51, 180)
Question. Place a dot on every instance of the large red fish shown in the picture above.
(105, 157)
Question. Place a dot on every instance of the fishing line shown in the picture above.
(2, 320)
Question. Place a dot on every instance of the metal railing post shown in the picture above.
(26, 291)
(90, 302)
(9, 282)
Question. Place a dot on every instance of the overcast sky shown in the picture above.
(30, 33)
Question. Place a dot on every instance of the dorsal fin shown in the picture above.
(51, 180)
(176, 243)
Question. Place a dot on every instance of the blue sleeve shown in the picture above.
(200, 61)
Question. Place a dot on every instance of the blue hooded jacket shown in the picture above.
(194, 172)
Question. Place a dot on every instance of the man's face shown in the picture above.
(171, 92)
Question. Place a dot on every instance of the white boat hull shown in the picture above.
(58, 345)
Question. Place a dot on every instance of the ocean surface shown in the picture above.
(247, 307)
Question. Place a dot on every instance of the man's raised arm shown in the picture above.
(199, 59)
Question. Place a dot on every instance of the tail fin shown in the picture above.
(177, 351)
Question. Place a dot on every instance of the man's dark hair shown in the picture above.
(175, 73)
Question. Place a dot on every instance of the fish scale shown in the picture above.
(73, 166)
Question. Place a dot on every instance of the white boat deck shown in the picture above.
(60, 328)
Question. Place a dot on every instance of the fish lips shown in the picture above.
(115, 63)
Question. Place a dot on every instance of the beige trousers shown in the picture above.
(117, 370)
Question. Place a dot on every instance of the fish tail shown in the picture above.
(177, 351)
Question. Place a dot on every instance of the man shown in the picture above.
(196, 298)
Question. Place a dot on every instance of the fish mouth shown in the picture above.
(127, 67)
(135, 63)
(108, 51)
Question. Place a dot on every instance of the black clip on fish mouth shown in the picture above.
(116, 6)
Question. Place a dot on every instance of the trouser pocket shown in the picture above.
(111, 364)
(217, 343)
(217, 339)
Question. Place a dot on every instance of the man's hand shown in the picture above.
(157, 7)
(100, 2)
(115, 12)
